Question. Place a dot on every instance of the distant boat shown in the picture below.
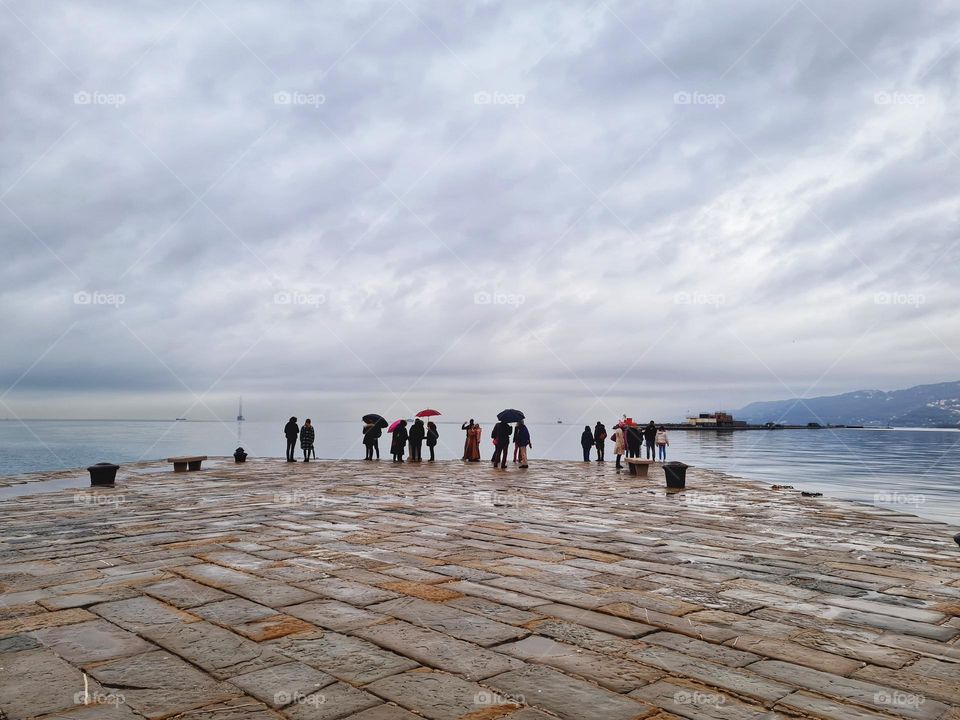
(240, 417)
(559, 422)
(179, 419)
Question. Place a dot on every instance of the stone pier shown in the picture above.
(373, 591)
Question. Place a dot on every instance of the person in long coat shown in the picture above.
(369, 440)
(399, 443)
(432, 436)
(501, 434)
(417, 433)
(307, 436)
(521, 436)
(650, 437)
(586, 442)
(600, 437)
(290, 431)
(474, 434)
(619, 443)
(634, 441)
(468, 427)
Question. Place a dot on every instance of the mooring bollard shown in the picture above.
(676, 474)
(239, 455)
(103, 474)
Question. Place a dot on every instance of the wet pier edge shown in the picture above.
(369, 591)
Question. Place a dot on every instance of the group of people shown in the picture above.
(502, 434)
(628, 439)
(414, 437)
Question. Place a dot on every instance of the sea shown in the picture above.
(909, 469)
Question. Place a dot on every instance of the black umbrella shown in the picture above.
(374, 419)
(510, 416)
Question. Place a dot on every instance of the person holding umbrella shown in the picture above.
(373, 425)
(290, 431)
(417, 433)
(432, 437)
(399, 430)
(521, 437)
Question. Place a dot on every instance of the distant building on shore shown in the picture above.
(718, 419)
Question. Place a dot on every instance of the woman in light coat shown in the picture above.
(662, 441)
(620, 443)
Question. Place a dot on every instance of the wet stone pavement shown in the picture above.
(373, 591)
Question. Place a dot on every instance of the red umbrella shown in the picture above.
(394, 425)
(428, 413)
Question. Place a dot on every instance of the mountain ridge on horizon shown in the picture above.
(935, 405)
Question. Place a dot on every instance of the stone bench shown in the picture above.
(187, 462)
(639, 467)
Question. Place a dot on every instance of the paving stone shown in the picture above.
(567, 697)
(348, 591)
(272, 627)
(821, 707)
(701, 649)
(87, 642)
(438, 650)
(236, 709)
(853, 648)
(185, 593)
(281, 685)
(266, 592)
(439, 696)
(550, 592)
(917, 680)
(499, 595)
(85, 599)
(233, 612)
(872, 695)
(384, 712)
(583, 636)
(109, 708)
(615, 673)
(446, 619)
(335, 615)
(16, 643)
(782, 649)
(597, 620)
(21, 625)
(332, 703)
(348, 658)
(221, 653)
(699, 702)
(36, 682)
(158, 684)
(143, 614)
(493, 611)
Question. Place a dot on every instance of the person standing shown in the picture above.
(619, 443)
(662, 441)
(432, 436)
(521, 437)
(399, 443)
(417, 433)
(468, 426)
(501, 438)
(291, 430)
(586, 442)
(516, 447)
(371, 431)
(307, 436)
(600, 436)
(634, 440)
(474, 436)
(650, 438)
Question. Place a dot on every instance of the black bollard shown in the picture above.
(103, 474)
(957, 538)
(239, 455)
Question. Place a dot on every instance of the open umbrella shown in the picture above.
(394, 425)
(510, 416)
(374, 419)
(428, 413)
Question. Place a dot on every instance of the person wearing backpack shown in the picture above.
(600, 436)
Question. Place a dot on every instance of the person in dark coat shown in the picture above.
(650, 438)
(501, 434)
(417, 434)
(400, 436)
(521, 437)
(468, 427)
(432, 437)
(291, 430)
(634, 441)
(371, 439)
(600, 437)
(307, 436)
(586, 442)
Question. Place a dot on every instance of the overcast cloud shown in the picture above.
(569, 207)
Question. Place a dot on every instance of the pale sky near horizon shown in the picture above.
(577, 208)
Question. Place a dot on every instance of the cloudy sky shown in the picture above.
(571, 207)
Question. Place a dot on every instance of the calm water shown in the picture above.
(913, 470)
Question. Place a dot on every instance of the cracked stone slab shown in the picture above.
(281, 685)
(348, 658)
(185, 593)
(449, 620)
(93, 641)
(143, 615)
(440, 696)
(233, 612)
(37, 682)
(335, 615)
(332, 703)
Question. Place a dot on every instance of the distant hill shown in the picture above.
(921, 406)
